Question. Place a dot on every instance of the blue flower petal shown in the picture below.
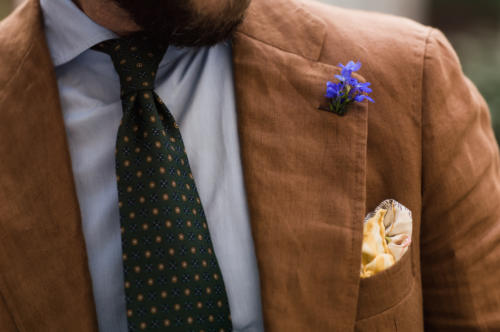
(351, 66)
(348, 89)
(360, 98)
(341, 78)
(356, 66)
(353, 82)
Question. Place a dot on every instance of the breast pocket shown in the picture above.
(387, 288)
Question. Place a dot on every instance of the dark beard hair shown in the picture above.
(177, 23)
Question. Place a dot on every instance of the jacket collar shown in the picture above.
(285, 25)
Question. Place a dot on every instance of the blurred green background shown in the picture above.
(473, 27)
(5, 7)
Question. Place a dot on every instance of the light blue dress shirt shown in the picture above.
(196, 84)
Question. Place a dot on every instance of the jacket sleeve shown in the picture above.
(460, 234)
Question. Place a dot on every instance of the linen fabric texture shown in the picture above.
(310, 177)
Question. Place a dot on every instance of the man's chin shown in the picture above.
(175, 23)
(178, 23)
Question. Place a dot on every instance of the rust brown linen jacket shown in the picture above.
(311, 176)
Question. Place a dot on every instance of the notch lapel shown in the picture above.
(44, 277)
(304, 171)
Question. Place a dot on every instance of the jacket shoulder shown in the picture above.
(369, 36)
(329, 34)
(392, 51)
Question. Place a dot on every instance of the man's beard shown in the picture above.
(186, 22)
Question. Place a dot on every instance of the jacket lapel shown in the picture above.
(44, 277)
(304, 171)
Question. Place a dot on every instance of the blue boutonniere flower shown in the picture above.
(347, 90)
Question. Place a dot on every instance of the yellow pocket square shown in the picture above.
(386, 237)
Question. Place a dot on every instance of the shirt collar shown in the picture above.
(69, 31)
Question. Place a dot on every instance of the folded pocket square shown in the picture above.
(386, 237)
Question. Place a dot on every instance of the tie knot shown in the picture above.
(136, 61)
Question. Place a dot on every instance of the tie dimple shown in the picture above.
(136, 62)
(172, 278)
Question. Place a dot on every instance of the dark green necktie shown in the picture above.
(172, 278)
